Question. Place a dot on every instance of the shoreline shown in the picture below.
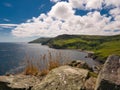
(90, 53)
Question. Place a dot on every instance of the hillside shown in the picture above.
(41, 40)
(103, 46)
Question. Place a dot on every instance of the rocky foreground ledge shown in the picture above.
(68, 78)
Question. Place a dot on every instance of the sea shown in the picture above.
(13, 55)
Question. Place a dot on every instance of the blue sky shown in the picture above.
(25, 20)
(18, 11)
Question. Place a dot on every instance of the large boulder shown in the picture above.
(63, 78)
(109, 77)
(17, 82)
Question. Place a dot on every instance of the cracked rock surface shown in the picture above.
(63, 78)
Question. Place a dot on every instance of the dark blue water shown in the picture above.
(12, 55)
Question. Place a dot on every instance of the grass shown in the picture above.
(46, 63)
(53, 64)
(108, 48)
(103, 46)
(31, 69)
(68, 41)
(92, 74)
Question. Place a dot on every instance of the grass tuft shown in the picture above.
(44, 64)
(31, 69)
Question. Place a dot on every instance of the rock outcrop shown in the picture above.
(63, 78)
(17, 82)
(79, 64)
(109, 77)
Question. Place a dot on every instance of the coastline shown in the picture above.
(90, 54)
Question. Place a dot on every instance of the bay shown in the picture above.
(12, 55)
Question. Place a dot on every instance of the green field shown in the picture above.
(108, 48)
(103, 46)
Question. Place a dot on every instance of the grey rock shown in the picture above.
(90, 83)
(17, 82)
(90, 54)
(79, 64)
(63, 78)
(109, 77)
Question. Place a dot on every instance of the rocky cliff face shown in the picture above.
(109, 77)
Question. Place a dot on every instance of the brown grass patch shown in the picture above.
(54, 64)
(45, 63)
(31, 69)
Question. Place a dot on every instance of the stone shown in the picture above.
(17, 82)
(79, 64)
(90, 83)
(90, 54)
(109, 77)
(63, 78)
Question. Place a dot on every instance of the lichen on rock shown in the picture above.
(109, 77)
(63, 78)
(17, 82)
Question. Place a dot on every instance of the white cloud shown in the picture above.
(115, 3)
(94, 4)
(86, 4)
(55, 1)
(8, 25)
(61, 10)
(115, 11)
(91, 24)
(117, 18)
(41, 26)
(115, 25)
(61, 19)
(78, 3)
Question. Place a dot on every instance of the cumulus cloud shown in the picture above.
(61, 19)
(80, 4)
(61, 10)
(115, 3)
(115, 11)
(86, 4)
(94, 4)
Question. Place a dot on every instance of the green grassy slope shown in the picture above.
(101, 45)
(107, 48)
(41, 40)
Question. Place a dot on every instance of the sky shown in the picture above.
(25, 20)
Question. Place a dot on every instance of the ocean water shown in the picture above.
(12, 55)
